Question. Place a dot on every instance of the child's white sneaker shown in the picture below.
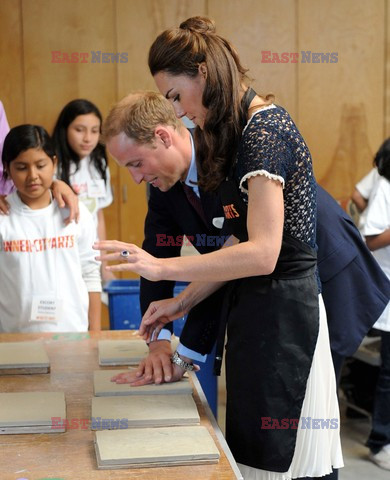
(382, 458)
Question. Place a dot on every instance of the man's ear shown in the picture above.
(163, 135)
(203, 69)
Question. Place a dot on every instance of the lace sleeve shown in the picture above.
(263, 152)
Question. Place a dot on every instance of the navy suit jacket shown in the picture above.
(354, 288)
(171, 214)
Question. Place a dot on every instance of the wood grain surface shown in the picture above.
(71, 455)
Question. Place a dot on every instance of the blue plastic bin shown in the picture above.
(123, 304)
(125, 314)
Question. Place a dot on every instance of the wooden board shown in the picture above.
(124, 352)
(110, 413)
(104, 387)
(151, 447)
(31, 412)
(23, 357)
(73, 359)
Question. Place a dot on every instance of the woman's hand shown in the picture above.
(4, 205)
(158, 314)
(66, 197)
(137, 261)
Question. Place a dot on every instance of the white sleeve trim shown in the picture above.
(259, 172)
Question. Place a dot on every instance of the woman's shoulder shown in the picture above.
(272, 116)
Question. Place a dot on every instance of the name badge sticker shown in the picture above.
(46, 309)
(96, 188)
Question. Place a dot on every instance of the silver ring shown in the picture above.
(125, 253)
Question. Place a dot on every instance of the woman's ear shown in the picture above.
(55, 160)
(203, 69)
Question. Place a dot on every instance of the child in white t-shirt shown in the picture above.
(82, 160)
(50, 280)
(376, 229)
(364, 188)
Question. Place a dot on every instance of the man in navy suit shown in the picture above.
(143, 134)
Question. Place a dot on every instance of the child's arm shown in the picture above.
(106, 275)
(66, 198)
(4, 206)
(374, 242)
(90, 268)
(94, 311)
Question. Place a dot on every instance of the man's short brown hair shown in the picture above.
(138, 115)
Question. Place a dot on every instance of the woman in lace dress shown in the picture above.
(282, 417)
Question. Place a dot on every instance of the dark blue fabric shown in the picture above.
(380, 433)
(170, 214)
(354, 288)
(272, 143)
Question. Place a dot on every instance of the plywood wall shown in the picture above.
(342, 108)
(341, 105)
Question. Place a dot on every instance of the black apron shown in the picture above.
(272, 328)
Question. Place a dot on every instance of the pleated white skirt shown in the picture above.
(317, 450)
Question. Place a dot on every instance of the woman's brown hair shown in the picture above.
(180, 51)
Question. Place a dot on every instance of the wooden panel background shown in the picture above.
(68, 27)
(342, 109)
(269, 25)
(138, 24)
(11, 61)
(342, 104)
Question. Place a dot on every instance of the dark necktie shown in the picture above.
(194, 201)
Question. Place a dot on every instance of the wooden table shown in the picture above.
(70, 455)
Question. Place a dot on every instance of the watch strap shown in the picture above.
(175, 358)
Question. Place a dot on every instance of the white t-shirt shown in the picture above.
(367, 183)
(365, 187)
(90, 187)
(377, 220)
(47, 269)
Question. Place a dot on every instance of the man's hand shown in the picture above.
(157, 365)
(155, 368)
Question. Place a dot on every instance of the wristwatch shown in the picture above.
(188, 367)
